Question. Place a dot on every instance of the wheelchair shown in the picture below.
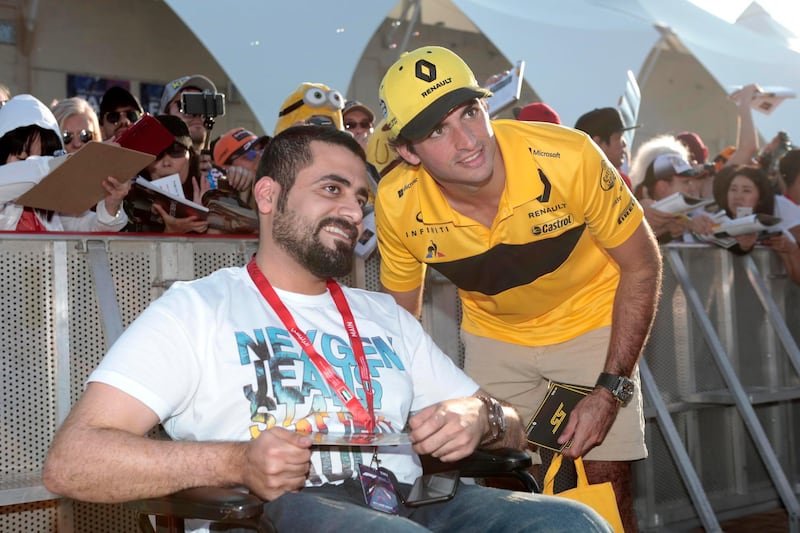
(241, 509)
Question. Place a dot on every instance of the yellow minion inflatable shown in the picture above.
(380, 151)
(311, 103)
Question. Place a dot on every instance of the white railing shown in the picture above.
(720, 374)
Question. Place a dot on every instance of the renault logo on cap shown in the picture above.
(425, 70)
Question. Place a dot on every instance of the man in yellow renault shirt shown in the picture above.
(557, 271)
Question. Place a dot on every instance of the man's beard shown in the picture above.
(291, 232)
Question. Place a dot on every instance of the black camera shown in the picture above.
(320, 120)
(205, 104)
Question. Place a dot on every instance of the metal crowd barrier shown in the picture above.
(720, 372)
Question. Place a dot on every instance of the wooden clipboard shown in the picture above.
(76, 185)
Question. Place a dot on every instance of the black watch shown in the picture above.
(621, 387)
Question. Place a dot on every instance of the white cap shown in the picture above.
(175, 86)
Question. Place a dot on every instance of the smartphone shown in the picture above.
(433, 488)
(203, 104)
(366, 236)
(146, 135)
(767, 234)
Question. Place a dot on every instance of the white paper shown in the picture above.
(360, 439)
(750, 224)
(169, 184)
(767, 99)
(165, 188)
(506, 90)
(678, 203)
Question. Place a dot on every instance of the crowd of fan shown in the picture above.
(742, 179)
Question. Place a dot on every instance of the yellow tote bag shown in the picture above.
(599, 496)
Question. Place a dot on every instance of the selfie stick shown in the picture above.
(208, 122)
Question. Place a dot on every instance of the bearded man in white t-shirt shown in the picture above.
(254, 370)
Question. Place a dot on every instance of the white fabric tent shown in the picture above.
(757, 19)
(577, 51)
(582, 48)
(269, 47)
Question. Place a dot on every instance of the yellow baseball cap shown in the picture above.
(422, 87)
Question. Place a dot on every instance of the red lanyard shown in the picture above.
(331, 377)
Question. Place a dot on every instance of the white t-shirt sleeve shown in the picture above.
(152, 360)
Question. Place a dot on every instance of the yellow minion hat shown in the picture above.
(309, 100)
(422, 87)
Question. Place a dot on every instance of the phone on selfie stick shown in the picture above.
(207, 105)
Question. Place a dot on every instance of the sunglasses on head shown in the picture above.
(113, 117)
(364, 124)
(175, 150)
(84, 135)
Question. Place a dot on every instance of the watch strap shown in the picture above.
(621, 387)
(607, 381)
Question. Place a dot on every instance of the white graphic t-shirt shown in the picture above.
(214, 362)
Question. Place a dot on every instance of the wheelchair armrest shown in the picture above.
(482, 463)
(500, 462)
(205, 503)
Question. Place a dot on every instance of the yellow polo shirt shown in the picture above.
(540, 274)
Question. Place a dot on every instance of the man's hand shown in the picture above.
(747, 241)
(781, 244)
(239, 178)
(205, 162)
(663, 222)
(589, 422)
(449, 430)
(744, 96)
(276, 462)
(701, 224)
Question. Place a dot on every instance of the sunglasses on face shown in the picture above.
(364, 124)
(176, 150)
(84, 135)
(251, 155)
(113, 117)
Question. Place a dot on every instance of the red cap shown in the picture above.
(697, 148)
(539, 112)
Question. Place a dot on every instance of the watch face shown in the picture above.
(624, 389)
